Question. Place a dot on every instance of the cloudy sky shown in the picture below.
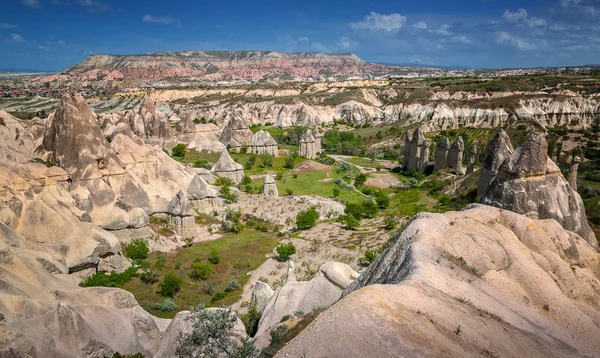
(54, 34)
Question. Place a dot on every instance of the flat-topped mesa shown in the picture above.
(270, 187)
(263, 142)
(441, 154)
(308, 145)
(471, 158)
(226, 167)
(75, 142)
(526, 181)
(572, 177)
(455, 155)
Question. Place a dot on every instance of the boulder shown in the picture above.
(261, 294)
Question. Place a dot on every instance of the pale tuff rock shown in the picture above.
(471, 158)
(416, 150)
(526, 181)
(308, 145)
(151, 123)
(324, 289)
(455, 155)
(479, 280)
(261, 294)
(423, 160)
(270, 187)
(234, 146)
(237, 130)
(263, 142)
(441, 154)
(572, 177)
(201, 137)
(226, 167)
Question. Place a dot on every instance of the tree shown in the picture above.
(351, 222)
(369, 209)
(307, 218)
(179, 150)
(201, 271)
(266, 159)
(286, 250)
(290, 159)
(211, 336)
(360, 180)
(170, 285)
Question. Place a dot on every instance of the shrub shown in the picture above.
(289, 192)
(159, 263)
(360, 180)
(201, 271)
(148, 276)
(233, 222)
(266, 159)
(351, 222)
(286, 250)
(290, 159)
(370, 256)
(336, 192)
(113, 280)
(223, 181)
(218, 296)
(390, 222)
(179, 150)
(170, 285)
(214, 256)
(246, 180)
(166, 306)
(202, 163)
(244, 150)
(251, 320)
(307, 218)
(210, 336)
(226, 192)
(369, 209)
(382, 200)
(232, 285)
(355, 210)
(137, 250)
(279, 176)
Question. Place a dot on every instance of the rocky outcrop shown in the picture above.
(226, 167)
(308, 145)
(448, 282)
(441, 154)
(416, 151)
(270, 186)
(526, 181)
(572, 176)
(471, 157)
(324, 289)
(235, 130)
(261, 294)
(455, 155)
(263, 142)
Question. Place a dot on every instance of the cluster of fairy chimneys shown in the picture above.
(310, 145)
(417, 151)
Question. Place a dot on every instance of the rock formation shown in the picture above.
(479, 282)
(263, 142)
(308, 145)
(471, 157)
(235, 130)
(441, 154)
(572, 177)
(226, 167)
(526, 181)
(455, 155)
(423, 160)
(415, 149)
(324, 289)
(261, 294)
(270, 187)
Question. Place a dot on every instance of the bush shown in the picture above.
(232, 285)
(170, 285)
(148, 277)
(307, 218)
(360, 180)
(370, 256)
(369, 209)
(351, 222)
(266, 159)
(290, 159)
(286, 250)
(179, 150)
(289, 192)
(382, 200)
(232, 222)
(246, 180)
(101, 279)
(159, 263)
(218, 296)
(226, 192)
(201, 271)
(214, 256)
(137, 250)
(166, 306)
(336, 192)
(210, 336)
(355, 210)
(390, 223)
(251, 320)
(202, 163)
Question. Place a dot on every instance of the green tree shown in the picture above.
(137, 250)
(266, 159)
(286, 250)
(307, 218)
(369, 209)
(290, 159)
(351, 222)
(179, 150)
(170, 285)
(201, 271)
(360, 180)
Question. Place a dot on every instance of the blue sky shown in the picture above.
(54, 34)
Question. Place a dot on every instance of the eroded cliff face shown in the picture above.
(482, 281)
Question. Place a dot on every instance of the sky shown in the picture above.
(54, 34)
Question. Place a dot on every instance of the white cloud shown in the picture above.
(444, 30)
(505, 38)
(379, 22)
(16, 38)
(40, 47)
(36, 4)
(61, 42)
(303, 39)
(160, 20)
(461, 39)
(7, 26)
(421, 25)
(345, 42)
(521, 17)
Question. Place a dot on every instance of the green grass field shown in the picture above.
(240, 254)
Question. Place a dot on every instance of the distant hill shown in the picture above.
(23, 70)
